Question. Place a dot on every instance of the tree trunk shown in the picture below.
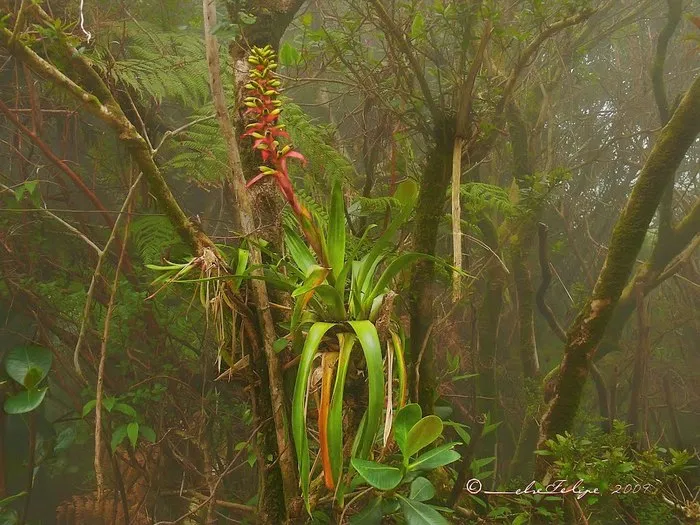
(627, 238)
(285, 459)
(430, 209)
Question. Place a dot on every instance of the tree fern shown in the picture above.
(156, 64)
(199, 153)
(152, 236)
(478, 197)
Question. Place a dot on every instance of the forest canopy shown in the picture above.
(349, 261)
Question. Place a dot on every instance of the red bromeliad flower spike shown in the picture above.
(264, 108)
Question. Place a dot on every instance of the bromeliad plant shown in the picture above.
(339, 299)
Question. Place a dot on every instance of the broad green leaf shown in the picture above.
(109, 402)
(480, 463)
(436, 457)
(369, 340)
(336, 230)
(423, 433)
(28, 365)
(311, 345)
(521, 519)
(89, 407)
(289, 55)
(407, 193)
(382, 477)
(422, 489)
(125, 409)
(335, 414)
(25, 401)
(417, 26)
(418, 513)
(65, 439)
(132, 430)
(404, 421)
(117, 437)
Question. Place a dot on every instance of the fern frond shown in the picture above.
(478, 197)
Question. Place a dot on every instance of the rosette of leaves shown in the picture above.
(336, 310)
(400, 483)
(28, 367)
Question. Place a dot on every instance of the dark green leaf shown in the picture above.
(280, 344)
(422, 489)
(436, 457)
(125, 409)
(117, 437)
(28, 365)
(89, 407)
(132, 430)
(148, 433)
(382, 477)
(25, 401)
(418, 513)
(370, 515)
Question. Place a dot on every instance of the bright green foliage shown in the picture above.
(411, 433)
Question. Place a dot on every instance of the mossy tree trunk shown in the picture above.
(628, 235)
(430, 210)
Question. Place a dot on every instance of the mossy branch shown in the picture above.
(112, 116)
(627, 238)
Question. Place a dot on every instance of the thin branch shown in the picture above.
(96, 275)
(529, 52)
(99, 474)
(70, 227)
(405, 47)
(74, 177)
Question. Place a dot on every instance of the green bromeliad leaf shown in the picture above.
(311, 346)
(335, 415)
(369, 340)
